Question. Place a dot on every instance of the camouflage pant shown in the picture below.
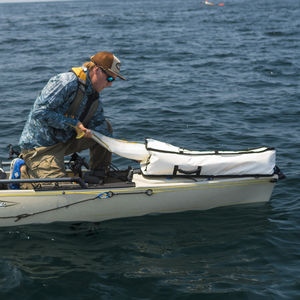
(48, 162)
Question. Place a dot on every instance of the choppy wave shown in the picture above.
(201, 77)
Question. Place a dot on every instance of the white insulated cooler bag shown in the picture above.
(166, 159)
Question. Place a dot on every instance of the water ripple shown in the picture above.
(200, 77)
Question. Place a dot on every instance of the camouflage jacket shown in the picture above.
(47, 124)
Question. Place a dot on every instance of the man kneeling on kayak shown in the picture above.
(68, 100)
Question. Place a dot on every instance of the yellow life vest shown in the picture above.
(79, 72)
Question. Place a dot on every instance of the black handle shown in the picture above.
(196, 171)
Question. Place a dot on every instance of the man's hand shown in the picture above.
(82, 131)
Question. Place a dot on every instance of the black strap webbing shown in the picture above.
(74, 107)
(90, 109)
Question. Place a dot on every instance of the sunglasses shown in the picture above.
(109, 78)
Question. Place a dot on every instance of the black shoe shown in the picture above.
(94, 176)
(99, 172)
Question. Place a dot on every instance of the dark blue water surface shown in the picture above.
(201, 77)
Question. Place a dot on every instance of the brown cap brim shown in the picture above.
(109, 62)
(115, 74)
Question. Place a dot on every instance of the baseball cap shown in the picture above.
(108, 62)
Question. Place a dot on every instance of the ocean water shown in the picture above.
(200, 77)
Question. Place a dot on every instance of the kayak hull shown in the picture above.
(147, 196)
